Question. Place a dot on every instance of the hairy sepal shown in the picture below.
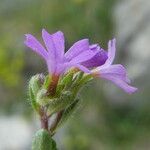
(35, 85)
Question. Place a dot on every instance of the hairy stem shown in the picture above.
(55, 123)
(44, 119)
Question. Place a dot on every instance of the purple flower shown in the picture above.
(54, 52)
(115, 73)
(82, 56)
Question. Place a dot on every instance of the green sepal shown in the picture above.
(35, 84)
(43, 141)
(85, 79)
(79, 82)
(67, 79)
(42, 97)
(47, 81)
(78, 77)
(69, 111)
(33, 100)
(65, 82)
(60, 103)
(76, 82)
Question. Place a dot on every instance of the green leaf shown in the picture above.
(43, 141)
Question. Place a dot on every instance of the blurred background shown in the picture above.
(108, 118)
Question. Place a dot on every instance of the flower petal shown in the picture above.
(59, 42)
(111, 52)
(120, 83)
(84, 56)
(55, 45)
(77, 48)
(35, 45)
(115, 70)
(117, 74)
(82, 68)
(97, 60)
(51, 66)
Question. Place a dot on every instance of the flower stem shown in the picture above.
(55, 123)
(44, 123)
(44, 119)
